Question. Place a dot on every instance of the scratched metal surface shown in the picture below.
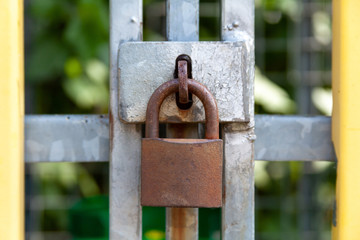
(223, 67)
(66, 138)
(182, 20)
(238, 216)
(237, 20)
(125, 139)
(293, 138)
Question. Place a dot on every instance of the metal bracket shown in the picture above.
(224, 67)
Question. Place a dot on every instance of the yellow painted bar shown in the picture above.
(11, 120)
(346, 117)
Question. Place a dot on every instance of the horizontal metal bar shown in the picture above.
(293, 138)
(85, 138)
(66, 138)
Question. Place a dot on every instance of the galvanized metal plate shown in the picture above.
(225, 68)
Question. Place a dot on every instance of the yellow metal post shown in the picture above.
(346, 117)
(11, 120)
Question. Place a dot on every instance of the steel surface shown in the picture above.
(125, 139)
(238, 202)
(237, 20)
(275, 134)
(12, 120)
(66, 138)
(293, 138)
(238, 220)
(182, 20)
(181, 172)
(224, 67)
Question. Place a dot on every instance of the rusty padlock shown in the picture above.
(181, 172)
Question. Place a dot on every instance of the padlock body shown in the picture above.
(181, 172)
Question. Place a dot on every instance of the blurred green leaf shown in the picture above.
(262, 178)
(270, 96)
(85, 93)
(72, 68)
(322, 99)
(97, 71)
(321, 23)
(154, 235)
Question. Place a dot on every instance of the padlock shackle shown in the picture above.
(172, 86)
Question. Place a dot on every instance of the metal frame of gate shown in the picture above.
(125, 139)
(86, 138)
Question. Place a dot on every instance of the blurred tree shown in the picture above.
(67, 57)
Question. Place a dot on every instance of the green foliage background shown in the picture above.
(67, 57)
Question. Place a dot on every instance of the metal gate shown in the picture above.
(89, 138)
(238, 204)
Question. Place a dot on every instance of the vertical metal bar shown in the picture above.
(238, 201)
(125, 139)
(182, 19)
(237, 20)
(12, 120)
(237, 23)
(346, 117)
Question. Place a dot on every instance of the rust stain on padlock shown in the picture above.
(178, 223)
(181, 220)
(188, 174)
(153, 108)
(181, 172)
(183, 84)
(183, 72)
